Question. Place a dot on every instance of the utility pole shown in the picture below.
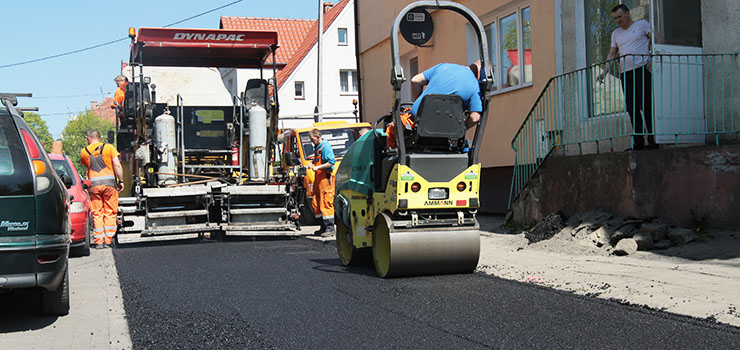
(319, 52)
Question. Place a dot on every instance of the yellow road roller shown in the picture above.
(413, 208)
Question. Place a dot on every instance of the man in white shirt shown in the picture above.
(632, 41)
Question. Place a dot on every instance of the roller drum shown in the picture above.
(424, 251)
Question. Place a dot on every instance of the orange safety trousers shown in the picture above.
(104, 206)
(323, 196)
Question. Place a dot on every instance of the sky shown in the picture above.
(65, 85)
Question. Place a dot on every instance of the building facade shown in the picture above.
(563, 44)
(298, 65)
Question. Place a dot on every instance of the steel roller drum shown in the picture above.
(424, 251)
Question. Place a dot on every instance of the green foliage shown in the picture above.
(74, 135)
(39, 127)
(699, 220)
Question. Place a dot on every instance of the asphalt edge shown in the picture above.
(119, 335)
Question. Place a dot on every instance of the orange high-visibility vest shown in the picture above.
(99, 160)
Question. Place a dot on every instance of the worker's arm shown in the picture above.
(417, 83)
(118, 170)
(613, 52)
(472, 120)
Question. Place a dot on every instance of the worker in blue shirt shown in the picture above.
(323, 185)
(445, 79)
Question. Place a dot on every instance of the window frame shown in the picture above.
(495, 51)
(352, 82)
(302, 96)
(346, 37)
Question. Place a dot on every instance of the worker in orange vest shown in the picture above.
(323, 184)
(105, 174)
(120, 96)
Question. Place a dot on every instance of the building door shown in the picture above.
(678, 95)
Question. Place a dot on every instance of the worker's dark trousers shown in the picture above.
(638, 87)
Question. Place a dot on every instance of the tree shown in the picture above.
(74, 135)
(39, 128)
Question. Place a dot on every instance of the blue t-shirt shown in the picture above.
(452, 79)
(325, 153)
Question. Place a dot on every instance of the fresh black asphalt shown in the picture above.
(294, 294)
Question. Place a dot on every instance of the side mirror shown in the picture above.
(66, 180)
(86, 184)
(292, 159)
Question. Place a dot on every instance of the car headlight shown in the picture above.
(437, 193)
(76, 207)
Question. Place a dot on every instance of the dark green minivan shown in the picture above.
(34, 219)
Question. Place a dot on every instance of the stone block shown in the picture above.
(679, 236)
(625, 246)
(644, 240)
(659, 231)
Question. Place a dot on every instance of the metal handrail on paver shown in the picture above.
(693, 97)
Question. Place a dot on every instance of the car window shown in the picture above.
(15, 172)
(61, 166)
(339, 139)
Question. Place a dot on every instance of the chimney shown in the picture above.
(328, 6)
(56, 147)
(93, 105)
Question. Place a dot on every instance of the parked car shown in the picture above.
(80, 216)
(34, 215)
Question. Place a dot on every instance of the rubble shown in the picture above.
(612, 234)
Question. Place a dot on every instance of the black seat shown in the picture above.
(440, 123)
(132, 95)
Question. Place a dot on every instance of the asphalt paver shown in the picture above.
(287, 294)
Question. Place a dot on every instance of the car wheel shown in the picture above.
(56, 302)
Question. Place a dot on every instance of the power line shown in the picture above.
(61, 113)
(112, 41)
(68, 96)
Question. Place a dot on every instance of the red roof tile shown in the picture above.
(291, 31)
(309, 41)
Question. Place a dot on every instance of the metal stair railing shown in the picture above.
(584, 111)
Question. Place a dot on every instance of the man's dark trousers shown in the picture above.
(637, 85)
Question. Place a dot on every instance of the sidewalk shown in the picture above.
(699, 279)
(96, 317)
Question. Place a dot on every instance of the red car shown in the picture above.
(79, 210)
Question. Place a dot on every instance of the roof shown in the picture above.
(309, 41)
(181, 47)
(291, 32)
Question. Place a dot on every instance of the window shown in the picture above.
(510, 43)
(600, 25)
(339, 139)
(299, 94)
(15, 172)
(342, 32)
(348, 81)
(61, 165)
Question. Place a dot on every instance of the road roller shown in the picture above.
(413, 208)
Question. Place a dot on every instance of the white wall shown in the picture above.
(197, 86)
(335, 58)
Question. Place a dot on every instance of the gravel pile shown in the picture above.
(547, 228)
